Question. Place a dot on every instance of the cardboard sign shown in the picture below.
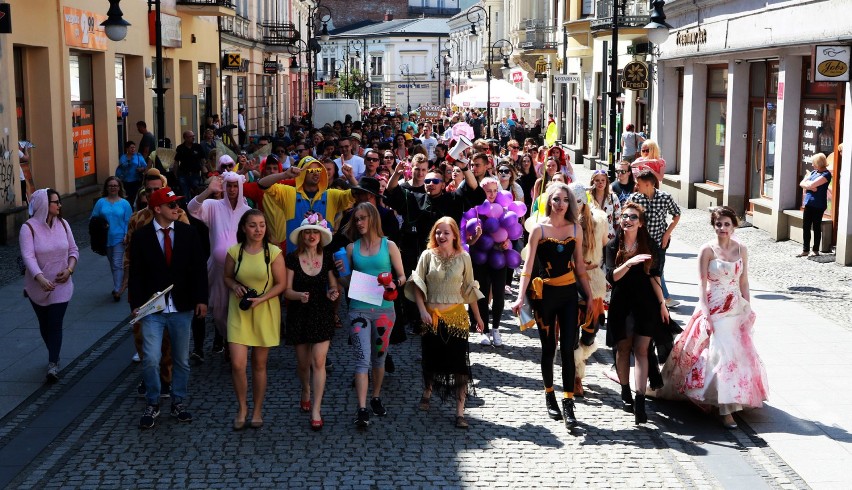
(430, 111)
(366, 288)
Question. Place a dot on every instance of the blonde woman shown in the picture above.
(651, 159)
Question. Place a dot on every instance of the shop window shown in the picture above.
(679, 116)
(763, 89)
(715, 124)
(82, 119)
(20, 106)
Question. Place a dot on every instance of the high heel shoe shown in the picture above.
(305, 405)
(626, 398)
(568, 413)
(316, 425)
(639, 409)
(552, 407)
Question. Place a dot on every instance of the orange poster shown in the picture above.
(83, 139)
(83, 29)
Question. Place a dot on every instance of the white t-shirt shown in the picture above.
(429, 143)
(356, 162)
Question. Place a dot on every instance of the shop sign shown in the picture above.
(695, 36)
(517, 76)
(171, 32)
(232, 61)
(635, 76)
(83, 29)
(412, 85)
(831, 63)
(430, 111)
(270, 67)
(569, 78)
(5, 18)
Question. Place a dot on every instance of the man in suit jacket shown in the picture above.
(167, 252)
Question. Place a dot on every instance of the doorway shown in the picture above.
(188, 113)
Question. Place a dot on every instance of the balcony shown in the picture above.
(206, 8)
(539, 35)
(433, 11)
(278, 33)
(631, 13)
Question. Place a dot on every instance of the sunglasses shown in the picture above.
(646, 150)
(301, 149)
(371, 159)
(388, 157)
(314, 170)
(504, 171)
(432, 181)
(514, 147)
(599, 172)
(171, 205)
(622, 171)
(631, 217)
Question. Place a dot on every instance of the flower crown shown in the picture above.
(314, 219)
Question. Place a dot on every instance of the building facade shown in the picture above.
(741, 96)
(77, 95)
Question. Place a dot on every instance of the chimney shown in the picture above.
(388, 15)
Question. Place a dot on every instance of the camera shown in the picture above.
(245, 304)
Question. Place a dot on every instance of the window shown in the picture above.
(376, 66)
(20, 107)
(715, 124)
(82, 119)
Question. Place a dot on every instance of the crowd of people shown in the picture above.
(307, 219)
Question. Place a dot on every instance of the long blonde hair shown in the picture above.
(584, 218)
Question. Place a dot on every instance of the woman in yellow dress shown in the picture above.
(255, 275)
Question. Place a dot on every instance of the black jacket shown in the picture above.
(149, 272)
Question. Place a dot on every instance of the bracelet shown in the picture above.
(70, 271)
(524, 274)
(464, 169)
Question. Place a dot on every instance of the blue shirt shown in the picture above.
(818, 199)
(117, 215)
(127, 168)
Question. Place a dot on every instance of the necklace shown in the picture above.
(632, 248)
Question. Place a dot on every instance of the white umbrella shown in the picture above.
(503, 95)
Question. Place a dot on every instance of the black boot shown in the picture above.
(552, 406)
(568, 413)
(639, 409)
(626, 398)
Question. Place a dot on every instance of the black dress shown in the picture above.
(311, 322)
(632, 295)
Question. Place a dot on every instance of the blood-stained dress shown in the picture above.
(721, 368)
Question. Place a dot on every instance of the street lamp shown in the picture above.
(505, 48)
(295, 50)
(455, 44)
(116, 30)
(474, 15)
(658, 29)
(405, 71)
(322, 14)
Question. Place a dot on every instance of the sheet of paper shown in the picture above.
(366, 288)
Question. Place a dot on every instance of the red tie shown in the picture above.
(167, 245)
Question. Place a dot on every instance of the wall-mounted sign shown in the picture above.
(569, 78)
(83, 29)
(517, 76)
(830, 63)
(692, 36)
(635, 76)
(270, 67)
(5, 18)
(171, 32)
(232, 61)
(430, 111)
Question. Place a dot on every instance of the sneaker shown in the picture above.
(218, 347)
(136, 357)
(151, 413)
(362, 418)
(484, 339)
(672, 303)
(52, 372)
(498, 341)
(179, 412)
(377, 407)
(390, 367)
(165, 390)
(197, 356)
(140, 389)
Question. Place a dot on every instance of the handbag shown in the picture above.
(525, 317)
(98, 227)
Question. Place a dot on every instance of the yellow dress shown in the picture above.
(259, 326)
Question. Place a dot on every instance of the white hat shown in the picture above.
(312, 222)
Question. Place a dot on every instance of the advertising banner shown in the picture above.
(83, 29)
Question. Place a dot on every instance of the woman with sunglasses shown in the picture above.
(553, 267)
(624, 184)
(714, 362)
(389, 160)
(604, 199)
(637, 307)
(114, 208)
(650, 159)
(50, 256)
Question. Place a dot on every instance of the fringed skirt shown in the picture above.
(446, 359)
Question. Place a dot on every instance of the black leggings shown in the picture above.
(811, 220)
(50, 325)
(493, 280)
(558, 305)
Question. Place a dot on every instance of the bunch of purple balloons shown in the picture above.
(500, 221)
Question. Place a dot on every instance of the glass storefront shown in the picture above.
(716, 124)
(82, 119)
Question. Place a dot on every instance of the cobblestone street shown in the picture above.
(511, 442)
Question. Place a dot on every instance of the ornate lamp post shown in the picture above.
(316, 14)
(474, 15)
(405, 71)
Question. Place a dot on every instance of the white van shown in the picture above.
(326, 111)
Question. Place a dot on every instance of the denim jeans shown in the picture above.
(661, 261)
(178, 326)
(115, 256)
(188, 183)
(50, 325)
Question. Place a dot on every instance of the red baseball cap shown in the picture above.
(162, 196)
